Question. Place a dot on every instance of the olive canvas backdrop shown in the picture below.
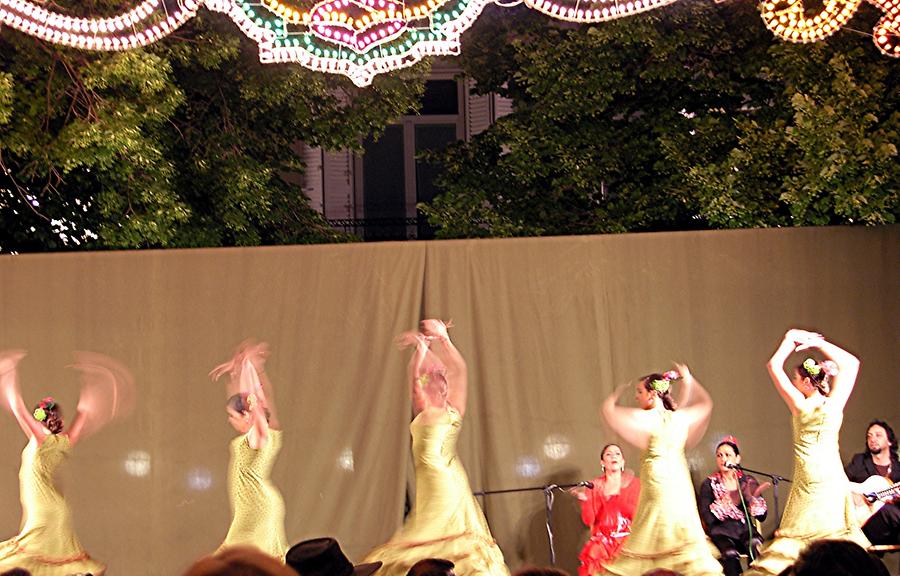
(549, 327)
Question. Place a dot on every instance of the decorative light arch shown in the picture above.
(363, 38)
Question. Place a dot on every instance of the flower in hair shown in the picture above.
(729, 440)
(39, 414)
(812, 368)
(830, 368)
(661, 386)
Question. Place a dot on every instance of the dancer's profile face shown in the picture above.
(645, 398)
(240, 421)
(725, 455)
(803, 384)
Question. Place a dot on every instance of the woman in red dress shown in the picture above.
(607, 509)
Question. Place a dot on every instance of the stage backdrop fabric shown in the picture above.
(549, 327)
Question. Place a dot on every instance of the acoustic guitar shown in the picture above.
(870, 496)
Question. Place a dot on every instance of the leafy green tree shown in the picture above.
(690, 116)
(184, 143)
(828, 157)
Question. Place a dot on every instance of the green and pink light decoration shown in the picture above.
(363, 38)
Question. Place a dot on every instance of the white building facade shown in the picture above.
(373, 194)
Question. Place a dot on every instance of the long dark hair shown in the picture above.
(53, 416)
(666, 396)
(821, 380)
(239, 404)
(890, 436)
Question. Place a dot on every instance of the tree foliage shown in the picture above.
(691, 116)
(184, 143)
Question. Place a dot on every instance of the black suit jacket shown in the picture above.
(861, 467)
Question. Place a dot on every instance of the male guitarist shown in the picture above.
(879, 459)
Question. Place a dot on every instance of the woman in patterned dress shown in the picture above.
(46, 544)
(446, 521)
(666, 530)
(256, 504)
(730, 504)
(820, 505)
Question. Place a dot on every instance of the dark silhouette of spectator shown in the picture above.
(323, 557)
(835, 558)
(540, 571)
(16, 572)
(239, 561)
(432, 567)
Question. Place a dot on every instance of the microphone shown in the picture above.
(587, 484)
(733, 466)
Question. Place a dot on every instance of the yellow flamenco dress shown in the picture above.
(46, 544)
(666, 530)
(446, 521)
(820, 504)
(256, 504)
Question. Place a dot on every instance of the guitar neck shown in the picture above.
(882, 494)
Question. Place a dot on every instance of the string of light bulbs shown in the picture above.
(363, 38)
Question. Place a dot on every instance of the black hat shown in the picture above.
(323, 557)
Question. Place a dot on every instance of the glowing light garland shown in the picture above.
(363, 38)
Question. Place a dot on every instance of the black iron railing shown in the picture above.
(380, 229)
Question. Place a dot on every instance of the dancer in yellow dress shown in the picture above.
(666, 530)
(446, 521)
(256, 504)
(46, 544)
(820, 504)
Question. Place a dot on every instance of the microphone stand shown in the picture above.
(548, 505)
(775, 480)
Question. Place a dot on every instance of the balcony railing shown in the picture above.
(381, 229)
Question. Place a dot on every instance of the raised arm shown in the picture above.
(243, 371)
(251, 388)
(12, 396)
(107, 393)
(789, 393)
(415, 367)
(450, 357)
(629, 423)
(257, 354)
(697, 406)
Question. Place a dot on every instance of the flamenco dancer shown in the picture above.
(46, 544)
(820, 504)
(445, 521)
(256, 504)
(607, 509)
(666, 531)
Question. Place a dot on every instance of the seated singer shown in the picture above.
(879, 460)
(727, 498)
(608, 509)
